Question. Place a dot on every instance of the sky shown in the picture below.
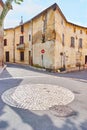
(75, 11)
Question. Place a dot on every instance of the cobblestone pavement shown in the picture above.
(15, 118)
(37, 97)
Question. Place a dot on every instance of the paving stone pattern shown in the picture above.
(37, 96)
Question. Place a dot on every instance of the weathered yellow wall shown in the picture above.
(9, 35)
(48, 45)
(63, 27)
(26, 44)
(1, 39)
(55, 26)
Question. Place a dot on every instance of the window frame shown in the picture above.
(22, 28)
(80, 43)
(72, 42)
(5, 42)
(21, 39)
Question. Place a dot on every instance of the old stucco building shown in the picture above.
(1, 36)
(47, 40)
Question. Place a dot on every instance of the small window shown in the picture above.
(5, 42)
(72, 42)
(63, 39)
(80, 31)
(29, 37)
(21, 39)
(43, 38)
(21, 56)
(74, 30)
(62, 21)
(22, 28)
(80, 43)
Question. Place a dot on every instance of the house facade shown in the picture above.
(1, 35)
(48, 40)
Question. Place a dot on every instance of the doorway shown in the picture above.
(7, 56)
(30, 58)
(86, 59)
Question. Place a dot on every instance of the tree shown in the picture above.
(6, 7)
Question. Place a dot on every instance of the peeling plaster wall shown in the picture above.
(9, 35)
(70, 54)
(48, 56)
(26, 43)
(48, 30)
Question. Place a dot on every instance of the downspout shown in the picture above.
(14, 47)
(54, 66)
(32, 40)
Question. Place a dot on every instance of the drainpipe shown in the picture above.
(14, 47)
(32, 40)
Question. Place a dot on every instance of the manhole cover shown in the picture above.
(62, 111)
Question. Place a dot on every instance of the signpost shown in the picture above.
(42, 51)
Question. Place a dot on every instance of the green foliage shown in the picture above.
(18, 1)
(7, 6)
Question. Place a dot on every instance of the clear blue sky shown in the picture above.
(74, 10)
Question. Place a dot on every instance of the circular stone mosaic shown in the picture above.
(37, 96)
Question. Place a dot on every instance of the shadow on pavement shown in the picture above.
(44, 122)
(31, 118)
(5, 85)
(3, 125)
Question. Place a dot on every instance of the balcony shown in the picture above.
(20, 46)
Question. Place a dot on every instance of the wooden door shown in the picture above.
(7, 56)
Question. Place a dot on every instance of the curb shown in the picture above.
(32, 67)
(37, 68)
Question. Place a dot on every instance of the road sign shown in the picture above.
(42, 51)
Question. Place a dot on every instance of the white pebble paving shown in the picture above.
(38, 96)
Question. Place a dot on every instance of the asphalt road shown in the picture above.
(12, 118)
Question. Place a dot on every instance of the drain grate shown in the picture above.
(62, 111)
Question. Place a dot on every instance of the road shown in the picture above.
(12, 118)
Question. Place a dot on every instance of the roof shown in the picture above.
(54, 7)
(5, 29)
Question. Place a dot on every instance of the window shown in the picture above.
(80, 43)
(22, 28)
(21, 39)
(43, 38)
(74, 30)
(45, 23)
(29, 37)
(21, 56)
(5, 42)
(63, 39)
(80, 31)
(72, 42)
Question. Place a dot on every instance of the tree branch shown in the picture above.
(6, 8)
